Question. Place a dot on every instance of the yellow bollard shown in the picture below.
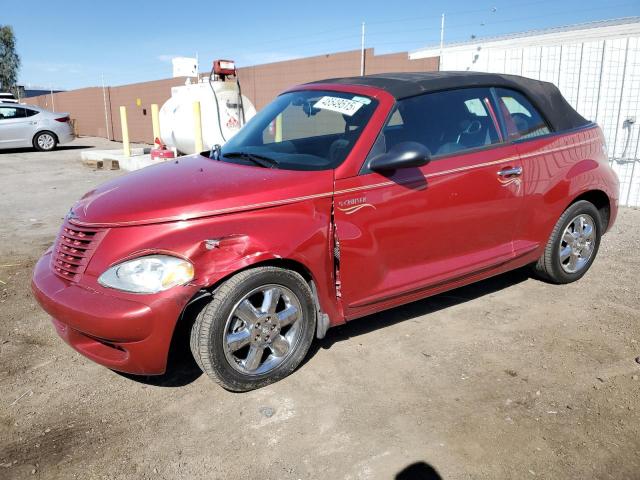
(126, 148)
(278, 136)
(197, 127)
(155, 121)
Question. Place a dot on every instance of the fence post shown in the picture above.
(155, 121)
(197, 127)
(126, 147)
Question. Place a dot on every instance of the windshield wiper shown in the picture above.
(261, 160)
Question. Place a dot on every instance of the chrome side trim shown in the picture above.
(275, 203)
(477, 165)
(208, 213)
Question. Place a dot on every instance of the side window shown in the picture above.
(395, 120)
(522, 120)
(30, 113)
(9, 113)
(445, 122)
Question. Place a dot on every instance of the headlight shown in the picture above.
(149, 274)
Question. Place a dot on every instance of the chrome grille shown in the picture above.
(73, 250)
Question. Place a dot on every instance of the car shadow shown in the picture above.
(418, 471)
(57, 149)
(419, 308)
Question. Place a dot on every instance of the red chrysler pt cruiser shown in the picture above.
(339, 199)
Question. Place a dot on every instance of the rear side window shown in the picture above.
(521, 119)
(9, 113)
(445, 122)
(30, 113)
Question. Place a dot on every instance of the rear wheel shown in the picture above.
(573, 244)
(45, 141)
(256, 330)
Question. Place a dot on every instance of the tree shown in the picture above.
(9, 59)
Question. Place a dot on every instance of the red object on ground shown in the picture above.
(403, 235)
(162, 154)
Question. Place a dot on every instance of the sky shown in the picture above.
(77, 43)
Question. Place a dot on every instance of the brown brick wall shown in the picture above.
(85, 105)
(261, 83)
(139, 118)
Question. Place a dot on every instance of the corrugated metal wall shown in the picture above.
(601, 79)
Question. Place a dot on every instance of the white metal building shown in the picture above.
(595, 65)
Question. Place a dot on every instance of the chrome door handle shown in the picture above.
(510, 172)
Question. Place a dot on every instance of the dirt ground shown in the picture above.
(507, 378)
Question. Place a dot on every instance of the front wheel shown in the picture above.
(573, 244)
(45, 141)
(256, 330)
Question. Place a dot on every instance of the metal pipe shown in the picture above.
(278, 135)
(604, 49)
(53, 102)
(441, 41)
(126, 147)
(197, 127)
(155, 121)
(624, 74)
(106, 115)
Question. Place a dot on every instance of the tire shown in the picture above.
(570, 234)
(45, 141)
(228, 335)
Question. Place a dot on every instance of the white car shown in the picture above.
(30, 126)
(7, 97)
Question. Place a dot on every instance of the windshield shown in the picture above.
(305, 130)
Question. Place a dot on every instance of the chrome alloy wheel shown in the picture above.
(46, 141)
(263, 329)
(577, 244)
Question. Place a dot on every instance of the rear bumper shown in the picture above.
(66, 137)
(122, 334)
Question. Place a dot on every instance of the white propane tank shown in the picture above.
(176, 115)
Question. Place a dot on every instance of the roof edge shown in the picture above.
(585, 26)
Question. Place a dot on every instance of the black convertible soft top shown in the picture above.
(544, 95)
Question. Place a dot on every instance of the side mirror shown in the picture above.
(402, 155)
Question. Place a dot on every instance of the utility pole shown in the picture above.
(362, 52)
(441, 37)
(106, 115)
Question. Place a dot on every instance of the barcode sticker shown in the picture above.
(363, 100)
(340, 105)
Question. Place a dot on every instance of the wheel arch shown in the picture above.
(600, 200)
(322, 319)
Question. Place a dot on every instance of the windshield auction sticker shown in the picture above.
(340, 105)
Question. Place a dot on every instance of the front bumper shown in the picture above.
(130, 335)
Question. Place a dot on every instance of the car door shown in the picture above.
(544, 162)
(420, 228)
(15, 127)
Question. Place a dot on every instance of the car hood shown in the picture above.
(194, 187)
